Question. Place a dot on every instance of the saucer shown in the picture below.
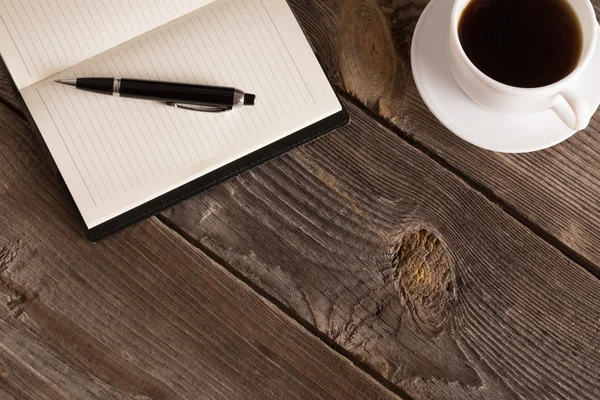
(508, 133)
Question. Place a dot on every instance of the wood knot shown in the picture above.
(367, 55)
(425, 279)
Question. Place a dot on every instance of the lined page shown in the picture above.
(39, 38)
(117, 153)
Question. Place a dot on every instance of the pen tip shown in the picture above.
(70, 82)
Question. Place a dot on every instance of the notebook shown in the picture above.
(124, 159)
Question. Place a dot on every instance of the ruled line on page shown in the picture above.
(16, 48)
(48, 36)
(252, 64)
(67, 147)
(282, 42)
(267, 43)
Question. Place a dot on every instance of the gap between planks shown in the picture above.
(512, 211)
(13, 108)
(283, 308)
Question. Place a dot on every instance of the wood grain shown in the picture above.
(407, 269)
(142, 315)
(365, 45)
(8, 96)
(364, 239)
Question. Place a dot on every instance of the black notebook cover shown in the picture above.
(196, 186)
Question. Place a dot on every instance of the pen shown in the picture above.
(180, 95)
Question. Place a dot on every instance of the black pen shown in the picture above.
(181, 95)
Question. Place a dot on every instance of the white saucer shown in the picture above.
(509, 133)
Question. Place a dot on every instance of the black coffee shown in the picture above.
(524, 43)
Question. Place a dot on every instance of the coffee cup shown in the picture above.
(562, 96)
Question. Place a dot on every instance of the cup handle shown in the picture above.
(573, 111)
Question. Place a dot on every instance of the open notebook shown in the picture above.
(124, 159)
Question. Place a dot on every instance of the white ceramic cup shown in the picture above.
(561, 96)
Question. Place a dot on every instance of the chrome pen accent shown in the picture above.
(195, 107)
(117, 87)
(238, 99)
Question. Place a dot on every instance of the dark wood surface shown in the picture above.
(7, 94)
(423, 280)
(379, 262)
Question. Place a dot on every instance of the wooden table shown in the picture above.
(386, 260)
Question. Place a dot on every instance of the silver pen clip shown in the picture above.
(195, 107)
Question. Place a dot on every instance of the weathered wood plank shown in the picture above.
(7, 94)
(5, 396)
(407, 269)
(142, 315)
(365, 45)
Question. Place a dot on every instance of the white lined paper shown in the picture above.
(40, 38)
(116, 153)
